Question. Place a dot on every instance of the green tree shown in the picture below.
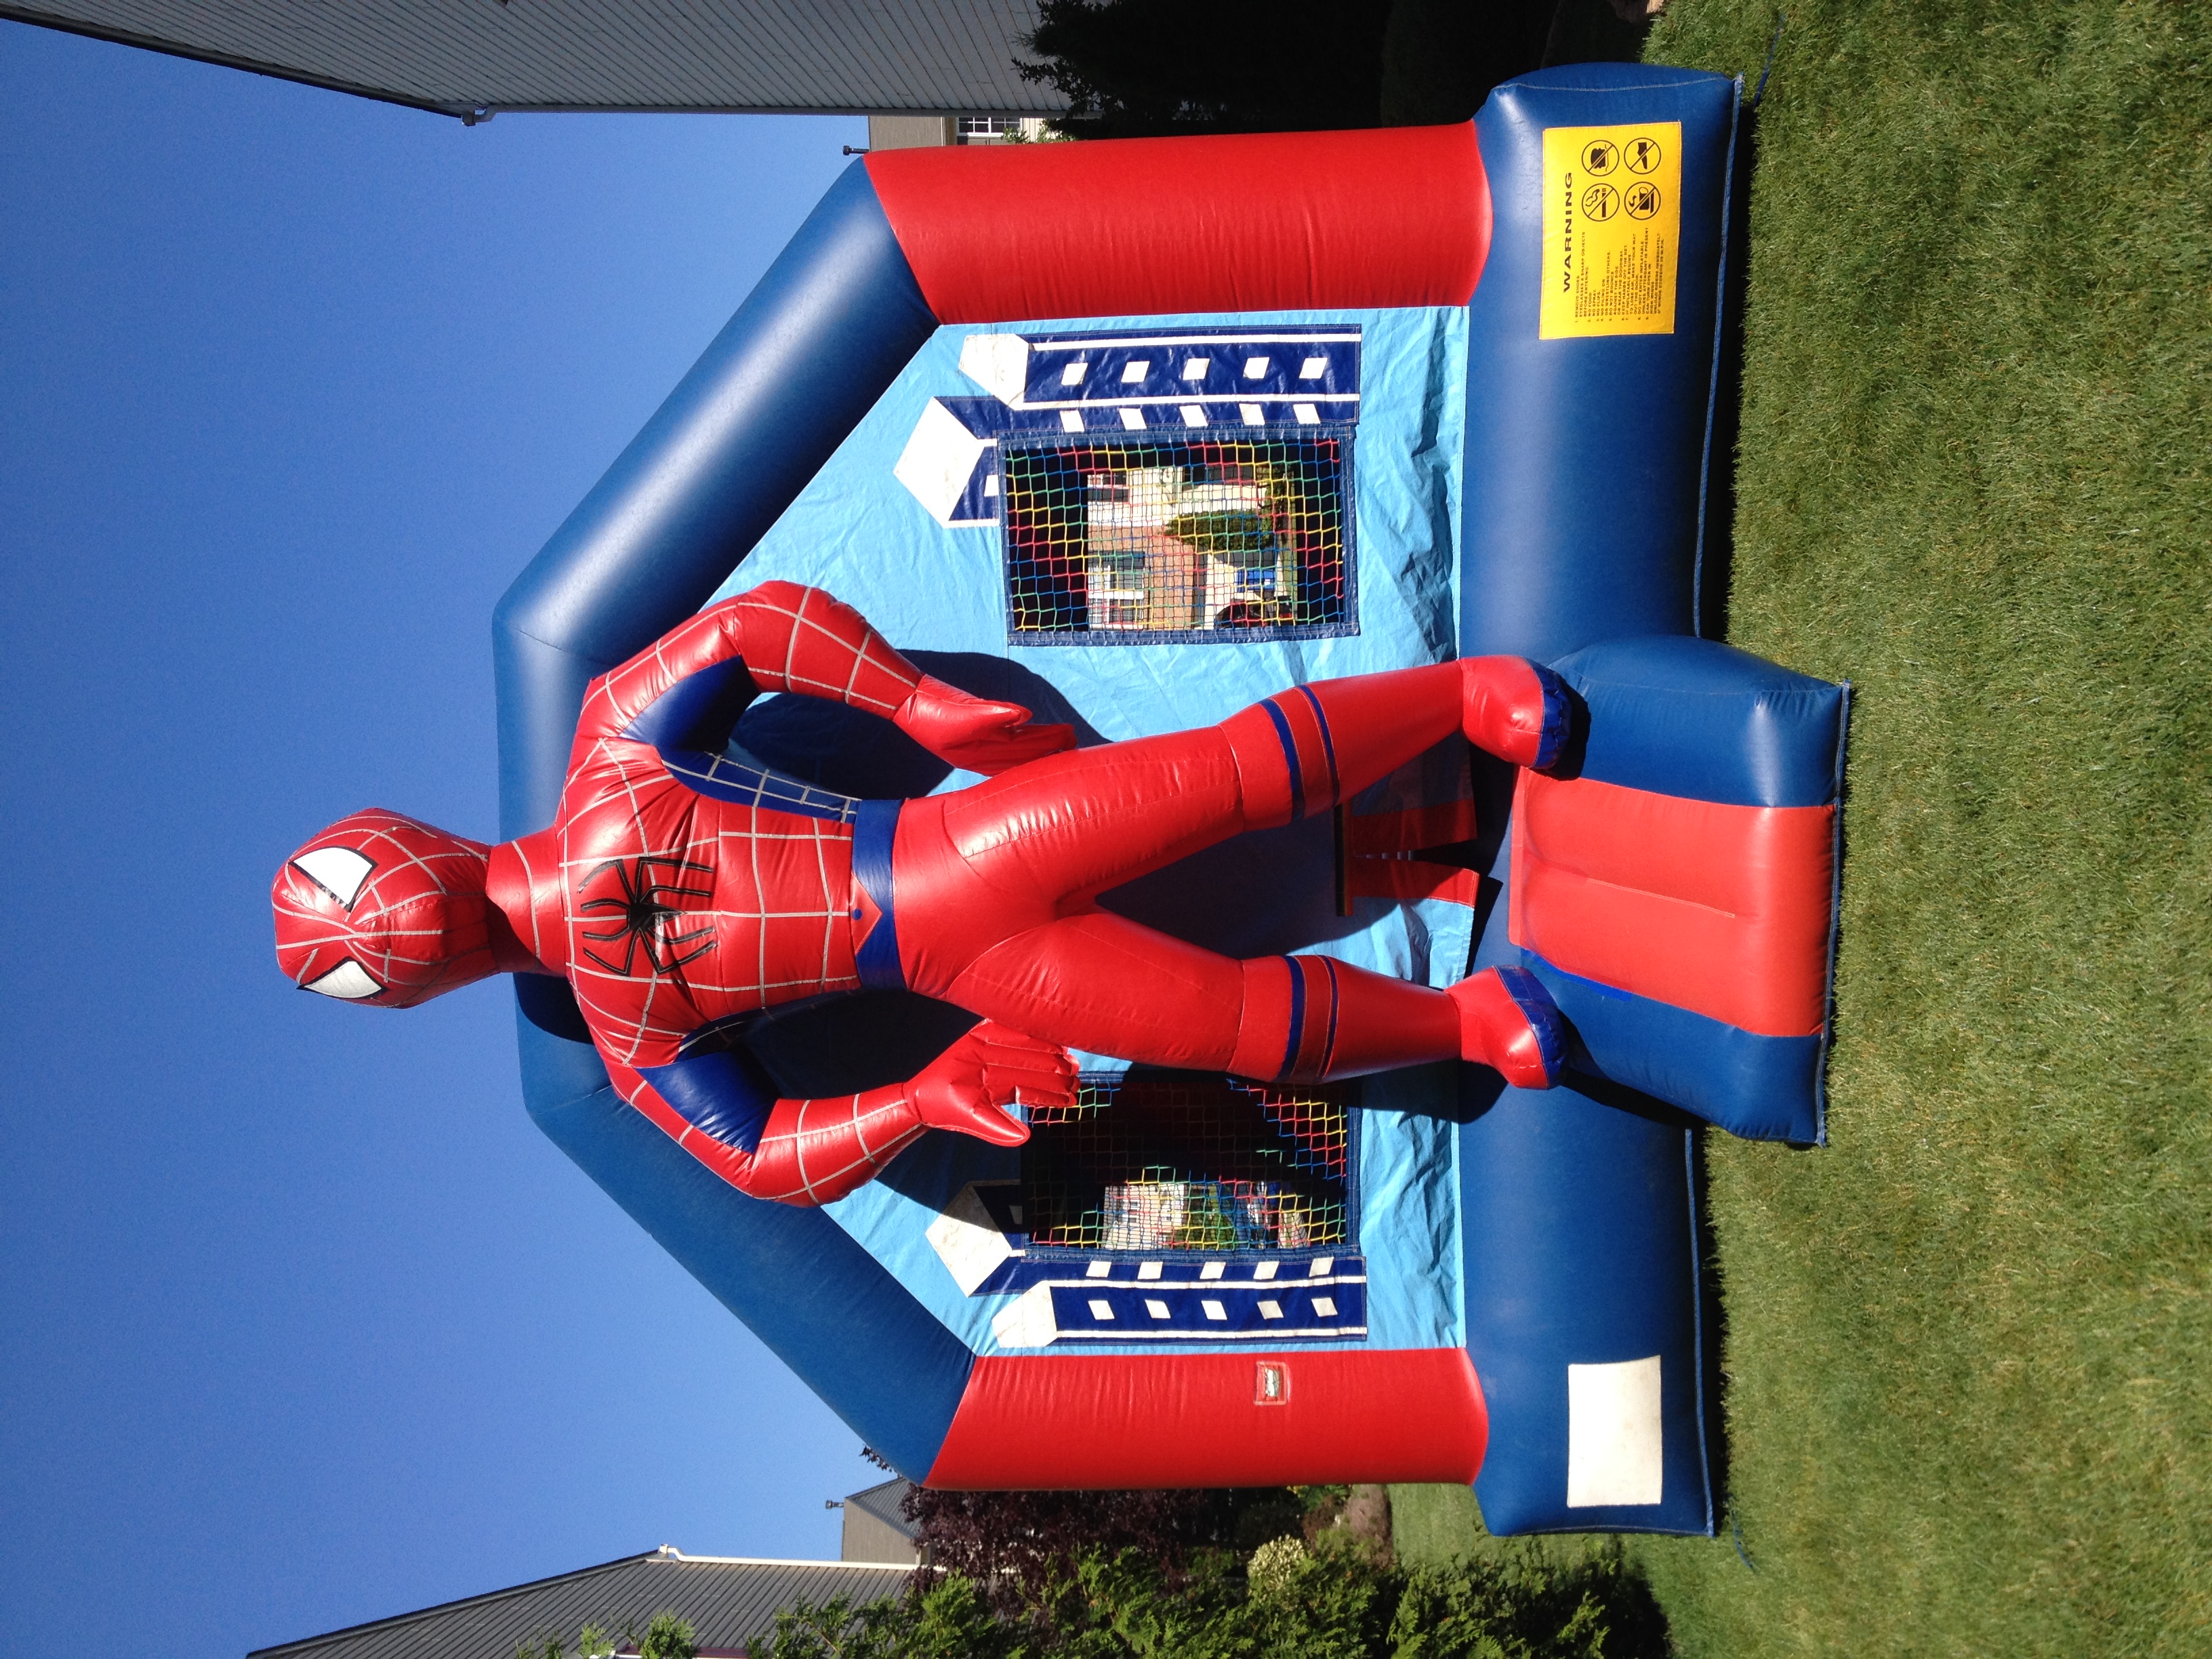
(1336, 1599)
(950, 1618)
(1525, 1607)
(592, 1643)
(1147, 68)
(668, 1637)
(1144, 67)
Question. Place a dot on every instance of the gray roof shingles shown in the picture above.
(883, 1501)
(727, 1600)
(839, 56)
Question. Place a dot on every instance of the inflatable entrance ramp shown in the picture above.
(1136, 434)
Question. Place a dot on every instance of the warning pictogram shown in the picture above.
(1613, 223)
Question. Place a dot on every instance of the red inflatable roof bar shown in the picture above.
(1078, 1422)
(1269, 221)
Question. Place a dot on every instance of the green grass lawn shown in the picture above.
(1969, 1354)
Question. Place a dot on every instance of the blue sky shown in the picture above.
(305, 1324)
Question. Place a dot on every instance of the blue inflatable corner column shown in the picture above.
(1586, 461)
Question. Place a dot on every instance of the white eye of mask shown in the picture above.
(348, 980)
(338, 871)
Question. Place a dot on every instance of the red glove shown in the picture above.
(964, 1088)
(984, 737)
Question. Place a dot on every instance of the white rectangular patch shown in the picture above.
(1071, 420)
(1000, 363)
(1027, 1321)
(1614, 1436)
(935, 466)
(1134, 419)
(1073, 373)
(1133, 372)
(968, 1241)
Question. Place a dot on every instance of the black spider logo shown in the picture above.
(644, 917)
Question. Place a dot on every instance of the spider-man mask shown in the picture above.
(378, 908)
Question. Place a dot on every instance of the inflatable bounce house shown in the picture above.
(1136, 435)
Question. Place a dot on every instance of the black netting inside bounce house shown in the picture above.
(1182, 1162)
(1109, 543)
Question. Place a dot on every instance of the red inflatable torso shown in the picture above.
(677, 887)
(687, 910)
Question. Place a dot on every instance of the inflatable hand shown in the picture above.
(964, 1088)
(974, 732)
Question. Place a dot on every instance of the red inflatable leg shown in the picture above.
(1086, 820)
(993, 883)
(1036, 842)
(1304, 749)
(1106, 984)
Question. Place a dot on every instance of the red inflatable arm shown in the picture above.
(790, 638)
(968, 731)
(814, 1151)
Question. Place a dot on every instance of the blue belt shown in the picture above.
(877, 959)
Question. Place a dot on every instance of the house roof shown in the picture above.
(468, 57)
(726, 1599)
(882, 1503)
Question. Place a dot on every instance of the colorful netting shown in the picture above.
(1184, 1162)
(1178, 537)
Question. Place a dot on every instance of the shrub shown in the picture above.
(1337, 1600)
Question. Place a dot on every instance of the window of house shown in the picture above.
(998, 129)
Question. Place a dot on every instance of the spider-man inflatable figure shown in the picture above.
(681, 892)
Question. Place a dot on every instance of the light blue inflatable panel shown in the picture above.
(862, 530)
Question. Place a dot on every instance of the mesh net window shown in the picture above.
(1184, 1161)
(1192, 538)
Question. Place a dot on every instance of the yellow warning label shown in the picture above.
(1613, 230)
